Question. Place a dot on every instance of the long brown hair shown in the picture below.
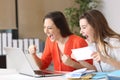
(60, 21)
(102, 30)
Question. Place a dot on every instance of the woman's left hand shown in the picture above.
(66, 59)
(98, 57)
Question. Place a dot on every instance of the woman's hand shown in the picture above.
(66, 59)
(69, 62)
(98, 57)
(32, 49)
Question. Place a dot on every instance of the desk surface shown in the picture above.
(23, 77)
(10, 74)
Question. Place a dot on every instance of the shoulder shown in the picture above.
(47, 39)
(113, 41)
(76, 38)
(115, 49)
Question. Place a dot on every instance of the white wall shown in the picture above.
(111, 10)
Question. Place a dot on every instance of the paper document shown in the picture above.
(75, 74)
(78, 73)
(82, 53)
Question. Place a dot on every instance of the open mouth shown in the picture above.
(51, 36)
(85, 36)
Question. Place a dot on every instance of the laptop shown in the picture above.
(25, 64)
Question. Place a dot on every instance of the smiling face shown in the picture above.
(86, 30)
(51, 30)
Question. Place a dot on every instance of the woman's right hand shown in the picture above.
(32, 49)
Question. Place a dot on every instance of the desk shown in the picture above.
(10, 74)
(23, 77)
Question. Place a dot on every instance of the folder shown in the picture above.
(9, 37)
(14, 43)
(4, 42)
(37, 44)
(31, 42)
(20, 43)
(25, 43)
(0, 44)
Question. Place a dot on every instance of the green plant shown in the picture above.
(72, 13)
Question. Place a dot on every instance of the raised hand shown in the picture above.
(66, 59)
(32, 49)
(99, 57)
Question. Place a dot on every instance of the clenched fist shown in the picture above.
(32, 49)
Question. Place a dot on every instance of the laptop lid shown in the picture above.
(25, 64)
(19, 61)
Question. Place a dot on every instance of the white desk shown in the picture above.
(23, 77)
(10, 74)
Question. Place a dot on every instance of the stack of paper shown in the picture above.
(78, 73)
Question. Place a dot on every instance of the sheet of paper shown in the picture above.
(76, 73)
(83, 53)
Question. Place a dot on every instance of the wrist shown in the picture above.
(108, 59)
(33, 54)
(76, 65)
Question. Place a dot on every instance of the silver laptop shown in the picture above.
(25, 64)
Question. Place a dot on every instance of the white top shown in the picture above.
(112, 52)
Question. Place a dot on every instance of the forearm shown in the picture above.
(87, 65)
(82, 64)
(37, 60)
(76, 65)
(113, 62)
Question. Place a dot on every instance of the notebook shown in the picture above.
(24, 64)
